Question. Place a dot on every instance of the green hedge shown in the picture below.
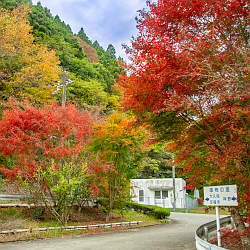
(158, 212)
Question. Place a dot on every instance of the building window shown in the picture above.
(141, 195)
(157, 194)
(164, 194)
(161, 194)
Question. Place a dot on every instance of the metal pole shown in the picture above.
(173, 174)
(206, 233)
(218, 225)
(64, 89)
(186, 203)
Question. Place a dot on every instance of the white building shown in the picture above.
(159, 192)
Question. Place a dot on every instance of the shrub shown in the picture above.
(59, 190)
(158, 212)
(38, 213)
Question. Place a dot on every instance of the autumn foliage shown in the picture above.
(119, 146)
(31, 137)
(190, 69)
(188, 56)
(27, 70)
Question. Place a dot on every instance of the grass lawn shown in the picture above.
(130, 215)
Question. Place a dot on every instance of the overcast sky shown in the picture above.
(107, 21)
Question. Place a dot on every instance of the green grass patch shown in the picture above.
(49, 224)
(130, 215)
(10, 212)
(158, 212)
(60, 232)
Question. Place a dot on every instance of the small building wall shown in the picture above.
(158, 192)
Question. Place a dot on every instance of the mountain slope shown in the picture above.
(88, 50)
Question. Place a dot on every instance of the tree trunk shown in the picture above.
(245, 239)
(108, 216)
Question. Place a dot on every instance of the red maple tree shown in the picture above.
(31, 137)
(189, 77)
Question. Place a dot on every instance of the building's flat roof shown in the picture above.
(164, 188)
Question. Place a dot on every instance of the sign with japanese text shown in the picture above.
(220, 195)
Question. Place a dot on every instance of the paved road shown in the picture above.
(176, 236)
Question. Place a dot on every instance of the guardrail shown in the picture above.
(202, 234)
(18, 197)
(12, 197)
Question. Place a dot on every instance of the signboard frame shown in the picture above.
(224, 195)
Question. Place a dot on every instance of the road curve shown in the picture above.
(176, 236)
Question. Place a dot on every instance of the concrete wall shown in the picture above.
(149, 186)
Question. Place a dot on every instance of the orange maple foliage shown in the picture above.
(119, 145)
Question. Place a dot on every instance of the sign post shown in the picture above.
(218, 225)
(220, 196)
(173, 174)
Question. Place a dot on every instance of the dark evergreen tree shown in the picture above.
(111, 51)
(83, 36)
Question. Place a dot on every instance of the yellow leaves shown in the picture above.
(126, 142)
(117, 137)
(27, 70)
(41, 94)
(40, 79)
(14, 31)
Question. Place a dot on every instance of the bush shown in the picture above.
(8, 212)
(59, 190)
(38, 213)
(158, 212)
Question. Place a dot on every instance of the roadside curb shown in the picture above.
(106, 225)
(120, 226)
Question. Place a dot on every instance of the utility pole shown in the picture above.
(64, 89)
(173, 175)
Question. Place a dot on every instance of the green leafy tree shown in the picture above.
(88, 93)
(121, 146)
(111, 51)
(60, 188)
(57, 35)
(109, 62)
(156, 163)
(11, 4)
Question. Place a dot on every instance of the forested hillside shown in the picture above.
(84, 148)
(91, 69)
